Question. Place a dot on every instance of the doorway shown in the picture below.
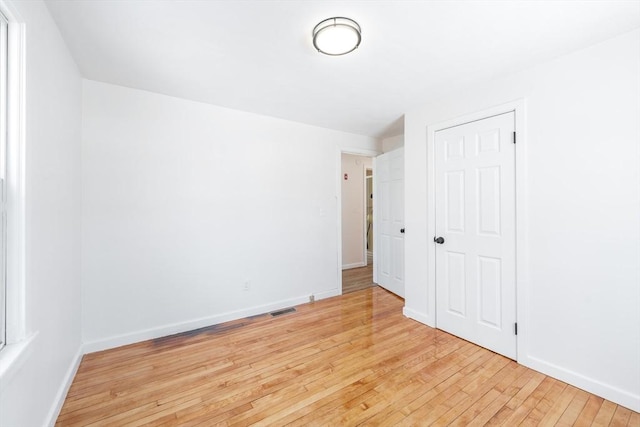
(356, 188)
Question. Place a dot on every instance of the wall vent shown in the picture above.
(283, 311)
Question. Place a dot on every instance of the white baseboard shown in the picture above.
(176, 328)
(354, 265)
(61, 395)
(614, 394)
(327, 294)
(416, 315)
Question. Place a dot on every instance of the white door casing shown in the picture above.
(475, 215)
(339, 177)
(389, 217)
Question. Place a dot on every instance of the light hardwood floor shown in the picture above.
(355, 279)
(347, 360)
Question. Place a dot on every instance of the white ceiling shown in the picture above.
(257, 55)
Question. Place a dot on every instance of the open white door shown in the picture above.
(389, 217)
(476, 241)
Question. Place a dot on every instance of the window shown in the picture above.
(14, 340)
(4, 47)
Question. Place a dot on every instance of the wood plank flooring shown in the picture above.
(348, 360)
(356, 279)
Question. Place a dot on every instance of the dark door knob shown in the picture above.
(438, 240)
(402, 230)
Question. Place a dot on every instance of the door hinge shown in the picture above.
(515, 328)
(514, 136)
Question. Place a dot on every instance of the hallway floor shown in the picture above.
(356, 279)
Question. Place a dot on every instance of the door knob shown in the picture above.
(438, 240)
(402, 230)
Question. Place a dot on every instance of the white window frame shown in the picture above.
(4, 47)
(18, 341)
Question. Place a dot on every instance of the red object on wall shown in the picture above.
(346, 176)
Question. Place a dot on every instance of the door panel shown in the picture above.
(398, 260)
(383, 207)
(490, 285)
(475, 213)
(455, 201)
(389, 178)
(489, 200)
(455, 283)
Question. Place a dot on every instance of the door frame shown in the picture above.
(366, 209)
(356, 152)
(518, 108)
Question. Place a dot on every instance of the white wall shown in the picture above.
(393, 142)
(53, 115)
(581, 318)
(353, 210)
(184, 202)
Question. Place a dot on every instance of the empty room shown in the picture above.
(279, 212)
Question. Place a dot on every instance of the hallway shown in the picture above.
(355, 279)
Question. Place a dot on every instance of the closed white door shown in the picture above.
(475, 226)
(389, 210)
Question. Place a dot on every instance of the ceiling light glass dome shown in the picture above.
(337, 36)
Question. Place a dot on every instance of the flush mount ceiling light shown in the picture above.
(337, 36)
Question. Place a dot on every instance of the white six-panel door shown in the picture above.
(389, 215)
(475, 215)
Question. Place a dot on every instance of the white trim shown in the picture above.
(4, 33)
(328, 294)
(609, 392)
(522, 237)
(189, 325)
(416, 315)
(374, 252)
(431, 225)
(61, 395)
(16, 210)
(354, 265)
(518, 107)
(12, 358)
(360, 152)
(339, 218)
(364, 212)
(368, 252)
